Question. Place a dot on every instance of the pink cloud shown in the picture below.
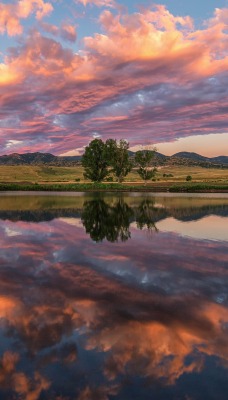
(98, 3)
(49, 28)
(11, 14)
(66, 31)
(149, 77)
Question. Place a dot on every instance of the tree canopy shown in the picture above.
(112, 157)
(95, 161)
(143, 159)
(119, 158)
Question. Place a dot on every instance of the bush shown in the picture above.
(188, 178)
(77, 180)
(109, 179)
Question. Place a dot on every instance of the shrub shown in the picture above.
(188, 178)
(77, 180)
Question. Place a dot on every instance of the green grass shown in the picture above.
(77, 187)
(198, 187)
(111, 187)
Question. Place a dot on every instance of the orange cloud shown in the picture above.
(8, 75)
(11, 14)
(156, 37)
(29, 388)
(8, 363)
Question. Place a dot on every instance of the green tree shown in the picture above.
(143, 160)
(119, 158)
(95, 161)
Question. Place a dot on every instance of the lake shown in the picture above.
(113, 296)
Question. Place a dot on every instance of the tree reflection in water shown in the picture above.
(145, 215)
(112, 222)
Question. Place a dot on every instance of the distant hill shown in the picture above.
(220, 159)
(185, 158)
(191, 156)
(38, 159)
(182, 158)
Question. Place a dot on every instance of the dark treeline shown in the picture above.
(103, 160)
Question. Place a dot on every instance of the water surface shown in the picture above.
(113, 297)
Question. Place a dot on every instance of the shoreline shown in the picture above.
(115, 187)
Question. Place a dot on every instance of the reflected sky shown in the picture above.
(198, 229)
(105, 297)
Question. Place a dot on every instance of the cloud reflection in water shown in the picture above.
(126, 315)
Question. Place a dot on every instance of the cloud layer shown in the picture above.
(148, 76)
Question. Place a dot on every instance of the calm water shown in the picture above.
(113, 297)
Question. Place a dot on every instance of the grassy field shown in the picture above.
(45, 175)
(39, 174)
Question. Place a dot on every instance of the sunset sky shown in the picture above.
(154, 73)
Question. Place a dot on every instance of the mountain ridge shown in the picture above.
(180, 158)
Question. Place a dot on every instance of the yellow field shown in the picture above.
(39, 174)
(179, 173)
(42, 174)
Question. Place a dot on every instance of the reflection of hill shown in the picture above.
(195, 214)
(188, 214)
(40, 215)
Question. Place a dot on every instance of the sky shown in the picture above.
(153, 73)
